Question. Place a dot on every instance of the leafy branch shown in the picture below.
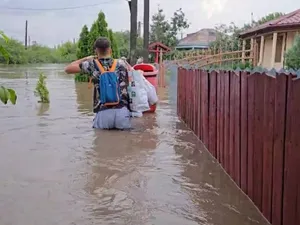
(6, 94)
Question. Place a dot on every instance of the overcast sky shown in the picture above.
(53, 27)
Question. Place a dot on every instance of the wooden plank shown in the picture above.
(178, 94)
(212, 112)
(192, 90)
(226, 120)
(268, 130)
(200, 105)
(298, 196)
(196, 108)
(189, 98)
(185, 96)
(237, 127)
(244, 131)
(232, 127)
(292, 156)
(183, 103)
(251, 105)
(222, 117)
(205, 107)
(194, 101)
(188, 116)
(218, 117)
(258, 139)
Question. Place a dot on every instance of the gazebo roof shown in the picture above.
(153, 46)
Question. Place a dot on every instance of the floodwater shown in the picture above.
(56, 170)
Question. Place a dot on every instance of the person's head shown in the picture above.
(102, 47)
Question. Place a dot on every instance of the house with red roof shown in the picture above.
(272, 39)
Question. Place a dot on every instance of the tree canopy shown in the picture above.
(166, 31)
(114, 44)
(227, 35)
(83, 43)
(98, 29)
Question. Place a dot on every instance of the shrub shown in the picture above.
(292, 56)
(41, 89)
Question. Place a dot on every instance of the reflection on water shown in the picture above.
(84, 98)
(55, 169)
(43, 108)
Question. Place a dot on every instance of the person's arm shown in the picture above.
(75, 67)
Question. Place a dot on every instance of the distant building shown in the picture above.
(198, 40)
(273, 39)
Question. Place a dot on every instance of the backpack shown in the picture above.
(109, 87)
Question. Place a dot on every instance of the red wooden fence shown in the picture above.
(251, 124)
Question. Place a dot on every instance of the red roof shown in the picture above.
(286, 21)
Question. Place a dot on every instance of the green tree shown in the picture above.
(6, 94)
(15, 52)
(122, 39)
(166, 32)
(67, 51)
(268, 18)
(114, 45)
(83, 43)
(178, 24)
(98, 29)
(227, 37)
(292, 57)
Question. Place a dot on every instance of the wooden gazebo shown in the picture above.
(157, 48)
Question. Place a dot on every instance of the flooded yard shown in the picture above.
(56, 170)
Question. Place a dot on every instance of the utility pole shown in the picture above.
(146, 29)
(133, 6)
(26, 30)
(139, 29)
(29, 41)
(133, 34)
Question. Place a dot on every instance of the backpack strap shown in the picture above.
(114, 66)
(101, 68)
(99, 65)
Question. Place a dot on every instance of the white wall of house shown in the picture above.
(284, 42)
(266, 60)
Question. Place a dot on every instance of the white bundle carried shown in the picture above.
(151, 92)
(137, 92)
(141, 91)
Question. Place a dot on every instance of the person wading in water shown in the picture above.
(110, 78)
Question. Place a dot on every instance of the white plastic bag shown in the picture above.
(137, 92)
(151, 92)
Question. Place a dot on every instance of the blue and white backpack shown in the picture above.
(109, 87)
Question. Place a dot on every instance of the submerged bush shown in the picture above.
(41, 89)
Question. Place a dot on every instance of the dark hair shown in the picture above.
(102, 44)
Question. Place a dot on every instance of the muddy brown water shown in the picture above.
(56, 170)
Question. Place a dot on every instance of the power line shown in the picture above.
(56, 9)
